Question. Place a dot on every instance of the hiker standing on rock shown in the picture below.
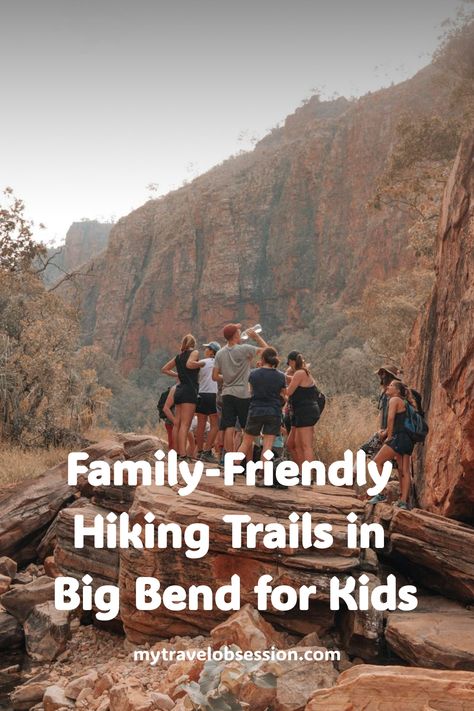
(398, 444)
(207, 404)
(303, 398)
(386, 374)
(187, 367)
(268, 392)
(232, 365)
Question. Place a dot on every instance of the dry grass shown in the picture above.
(347, 422)
(17, 464)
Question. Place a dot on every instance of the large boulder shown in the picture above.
(441, 352)
(435, 551)
(21, 599)
(208, 504)
(439, 634)
(372, 688)
(28, 509)
(298, 679)
(11, 633)
(47, 632)
(248, 630)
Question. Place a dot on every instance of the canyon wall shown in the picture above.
(274, 235)
(441, 355)
(84, 241)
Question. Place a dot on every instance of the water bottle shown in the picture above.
(257, 328)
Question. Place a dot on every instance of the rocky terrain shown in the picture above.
(281, 235)
(59, 660)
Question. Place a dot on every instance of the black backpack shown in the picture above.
(161, 403)
(321, 400)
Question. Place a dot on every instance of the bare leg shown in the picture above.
(305, 435)
(214, 429)
(238, 435)
(177, 419)
(405, 478)
(191, 445)
(267, 443)
(229, 439)
(187, 410)
(247, 445)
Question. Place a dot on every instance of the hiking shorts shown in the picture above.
(305, 416)
(263, 424)
(234, 409)
(185, 394)
(206, 404)
(401, 443)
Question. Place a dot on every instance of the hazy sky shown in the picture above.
(102, 97)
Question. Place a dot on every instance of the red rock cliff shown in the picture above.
(268, 236)
(441, 355)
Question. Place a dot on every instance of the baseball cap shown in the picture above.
(230, 330)
(213, 345)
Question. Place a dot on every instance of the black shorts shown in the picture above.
(401, 443)
(233, 409)
(206, 404)
(263, 424)
(305, 416)
(185, 394)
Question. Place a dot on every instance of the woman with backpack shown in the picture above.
(398, 444)
(187, 367)
(303, 396)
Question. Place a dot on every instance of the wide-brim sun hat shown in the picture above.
(390, 369)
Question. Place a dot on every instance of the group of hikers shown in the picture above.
(220, 403)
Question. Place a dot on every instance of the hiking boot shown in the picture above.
(377, 499)
(402, 505)
(207, 456)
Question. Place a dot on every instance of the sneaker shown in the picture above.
(377, 499)
(207, 456)
(402, 505)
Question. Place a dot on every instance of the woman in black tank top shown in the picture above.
(303, 400)
(186, 394)
(398, 444)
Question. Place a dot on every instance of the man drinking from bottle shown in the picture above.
(232, 367)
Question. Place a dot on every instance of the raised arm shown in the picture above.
(167, 369)
(295, 381)
(193, 362)
(258, 340)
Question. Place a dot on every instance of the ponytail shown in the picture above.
(270, 356)
(407, 394)
(188, 343)
(300, 364)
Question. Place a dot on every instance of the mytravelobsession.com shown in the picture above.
(231, 654)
